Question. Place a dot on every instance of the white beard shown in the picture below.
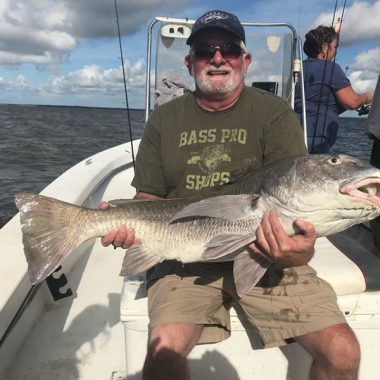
(205, 83)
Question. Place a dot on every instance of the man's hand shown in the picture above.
(123, 237)
(274, 244)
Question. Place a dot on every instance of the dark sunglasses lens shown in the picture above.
(228, 51)
(204, 53)
(231, 51)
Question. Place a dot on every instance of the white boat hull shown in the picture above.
(100, 331)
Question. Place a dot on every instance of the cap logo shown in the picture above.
(211, 16)
(217, 19)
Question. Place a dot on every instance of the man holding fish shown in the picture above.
(190, 146)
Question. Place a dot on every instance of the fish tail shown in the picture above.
(50, 232)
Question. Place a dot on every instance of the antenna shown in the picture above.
(125, 86)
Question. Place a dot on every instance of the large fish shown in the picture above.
(332, 192)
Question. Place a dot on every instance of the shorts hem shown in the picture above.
(302, 330)
(212, 333)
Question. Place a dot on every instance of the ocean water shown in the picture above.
(38, 143)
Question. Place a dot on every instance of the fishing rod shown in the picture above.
(125, 86)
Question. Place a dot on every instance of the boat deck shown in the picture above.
(75, 333)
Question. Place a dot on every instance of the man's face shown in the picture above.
(221, 71)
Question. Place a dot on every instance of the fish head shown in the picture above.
(333, 192)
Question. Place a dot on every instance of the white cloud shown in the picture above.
(9, 58)
(19, 84)
(365, 70)
(369, 60)
(43, 32)
(96, 18)
(33, 32)
(93, 78)
(360, 22)
(89, 79)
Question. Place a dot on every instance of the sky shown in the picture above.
(66, 52)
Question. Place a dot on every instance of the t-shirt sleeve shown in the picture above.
(339, 78)
(283, 134)
(149, 177)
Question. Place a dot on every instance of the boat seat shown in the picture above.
(267, 86)
(365, 277)
(331, 264)
(171, 86)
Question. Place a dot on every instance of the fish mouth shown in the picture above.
(367, 189)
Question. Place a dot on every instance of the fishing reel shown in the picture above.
(364, 109)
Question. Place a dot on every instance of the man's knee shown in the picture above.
(174, 339)
(163, 353)
(335, 347)
(345, 352)
(168, 347)
(340, 349)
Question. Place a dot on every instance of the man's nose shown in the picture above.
(218, 58)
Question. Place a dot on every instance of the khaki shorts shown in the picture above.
(286, 303)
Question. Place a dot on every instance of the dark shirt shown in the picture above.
(186, 149)
(322, 79)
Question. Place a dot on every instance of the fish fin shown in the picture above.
(230, 207)
(236, 177)
(220, 246)
(120, 202)
(127, 202)
(248, 270)
(137, 259)
(239, 175)
(49, 233)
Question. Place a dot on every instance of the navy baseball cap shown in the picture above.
(217, 19)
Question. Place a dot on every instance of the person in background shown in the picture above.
(328, 91)
(194, 143)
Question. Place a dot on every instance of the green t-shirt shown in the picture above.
(186, 149)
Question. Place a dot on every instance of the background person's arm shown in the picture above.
(350, 99)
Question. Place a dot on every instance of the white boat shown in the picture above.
(87, 322)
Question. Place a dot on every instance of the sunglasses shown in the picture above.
(229, 51)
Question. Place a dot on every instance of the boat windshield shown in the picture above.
(274, 47)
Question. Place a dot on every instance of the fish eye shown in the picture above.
(334, 161)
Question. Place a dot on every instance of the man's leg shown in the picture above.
(168, 348)
(335, 351)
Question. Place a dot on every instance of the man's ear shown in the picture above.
(188, 64)
(325, 47)
(247, 61)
